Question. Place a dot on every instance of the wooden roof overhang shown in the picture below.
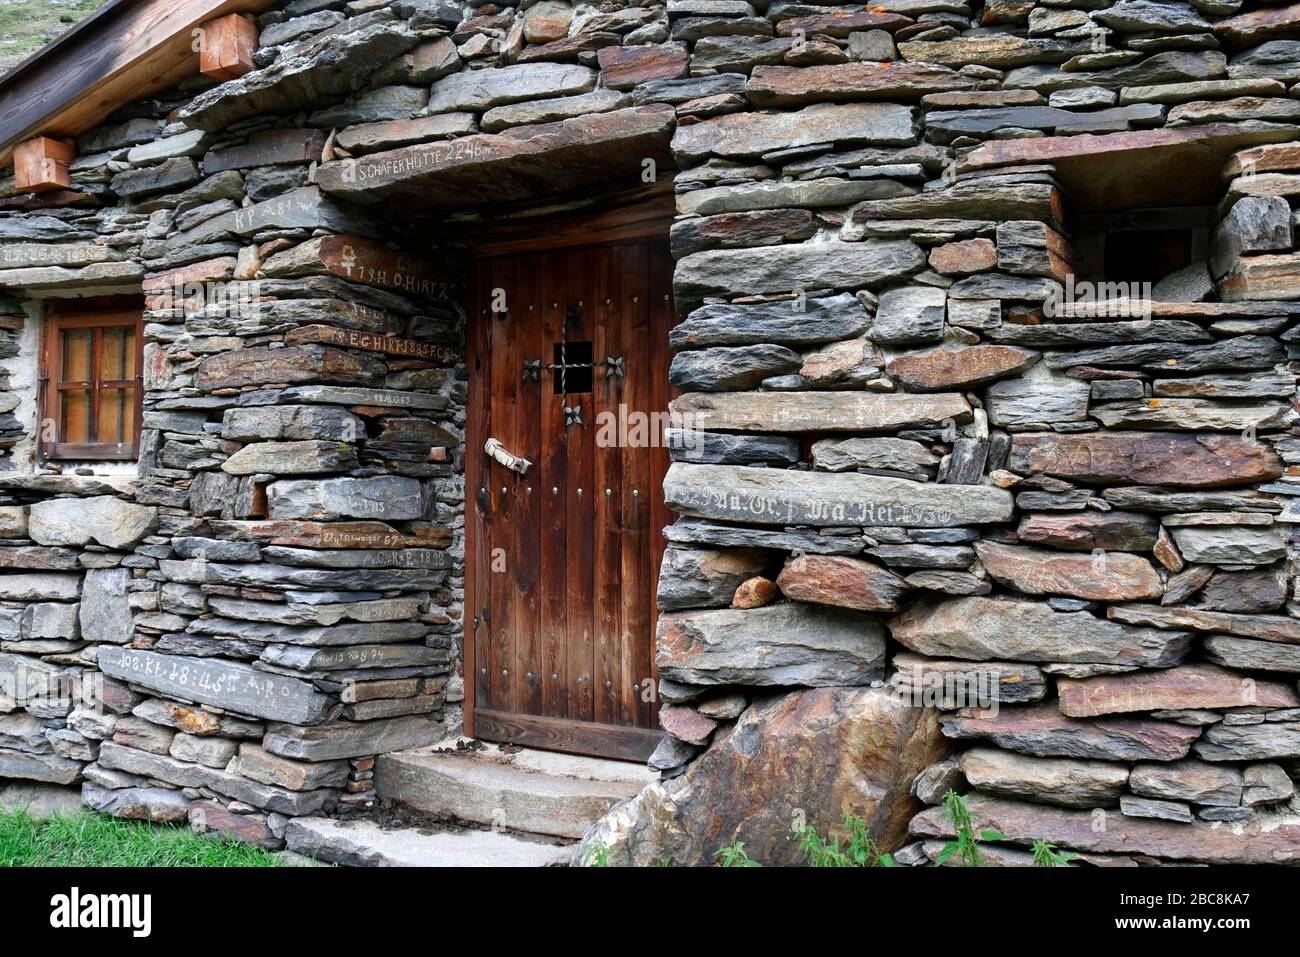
(126, 50)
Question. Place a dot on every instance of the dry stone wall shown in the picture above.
(906, 482)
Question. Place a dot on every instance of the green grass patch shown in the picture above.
(95, 840)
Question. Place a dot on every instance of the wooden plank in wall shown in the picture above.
(126, 52)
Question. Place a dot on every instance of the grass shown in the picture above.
(94, 840)
(27, 25)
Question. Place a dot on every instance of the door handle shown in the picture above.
(515, 463)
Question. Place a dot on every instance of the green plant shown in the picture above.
(597, 855)
(965, 845)
(1046, 855)
(95, 840)
(861, 850)
(735, 856)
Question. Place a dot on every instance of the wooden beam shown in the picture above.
(226, 47)
(130, 52)
(41, 164)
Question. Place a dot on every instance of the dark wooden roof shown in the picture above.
(125, 51)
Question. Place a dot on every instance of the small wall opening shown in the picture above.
(1137, 246)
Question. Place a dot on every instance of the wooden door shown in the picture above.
(568, 357)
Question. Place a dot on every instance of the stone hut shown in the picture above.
(824, 405)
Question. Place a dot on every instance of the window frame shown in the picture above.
(88, 314)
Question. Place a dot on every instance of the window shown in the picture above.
(1141, 245)
(572, 367)
(91, 382)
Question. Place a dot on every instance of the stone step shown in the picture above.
(363, 843)
(538, 792)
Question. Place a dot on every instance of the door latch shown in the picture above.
(515, 463)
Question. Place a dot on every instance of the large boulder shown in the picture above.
(810, 755)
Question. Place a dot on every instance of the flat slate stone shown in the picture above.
(343, 395)
(1192, 415)
(820, 411)
(1183, 687)
(349, 633)
(842, 582)
(719, 448)
(49, 768)
(1264, 627)
(1086, 531)
(386, 497)
(304, 457)
(786, 644)
(519, 163)
(730, 368)
(214, 681)
(964, 683)
(105, 611)
(783, 269)
(1114, 576)
(689, 531)
(1250, 742)
(187, 775)
(267, 575)
(1252, 655)
(45, 586)
(1190, 780)
(331, 65)
(795, 86)
(1043, 731)
(753, 134)
(291, 423)
(350, 739)
(1013, 629)
(303, 208)
(958, 368)
(1064, 781)
(764, 496)
(704, 578)
(1252, 842)
(1197, 461)
(290, 364)
(363, 843)
(103, 519)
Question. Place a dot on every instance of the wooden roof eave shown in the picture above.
(126, 51)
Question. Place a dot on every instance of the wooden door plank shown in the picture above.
(573, 737)
(581, 504)
(501, 487)
(556, 296)
(637, 492)
(608, 613)
(525, 559)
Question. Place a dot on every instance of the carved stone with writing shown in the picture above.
(779, 497)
